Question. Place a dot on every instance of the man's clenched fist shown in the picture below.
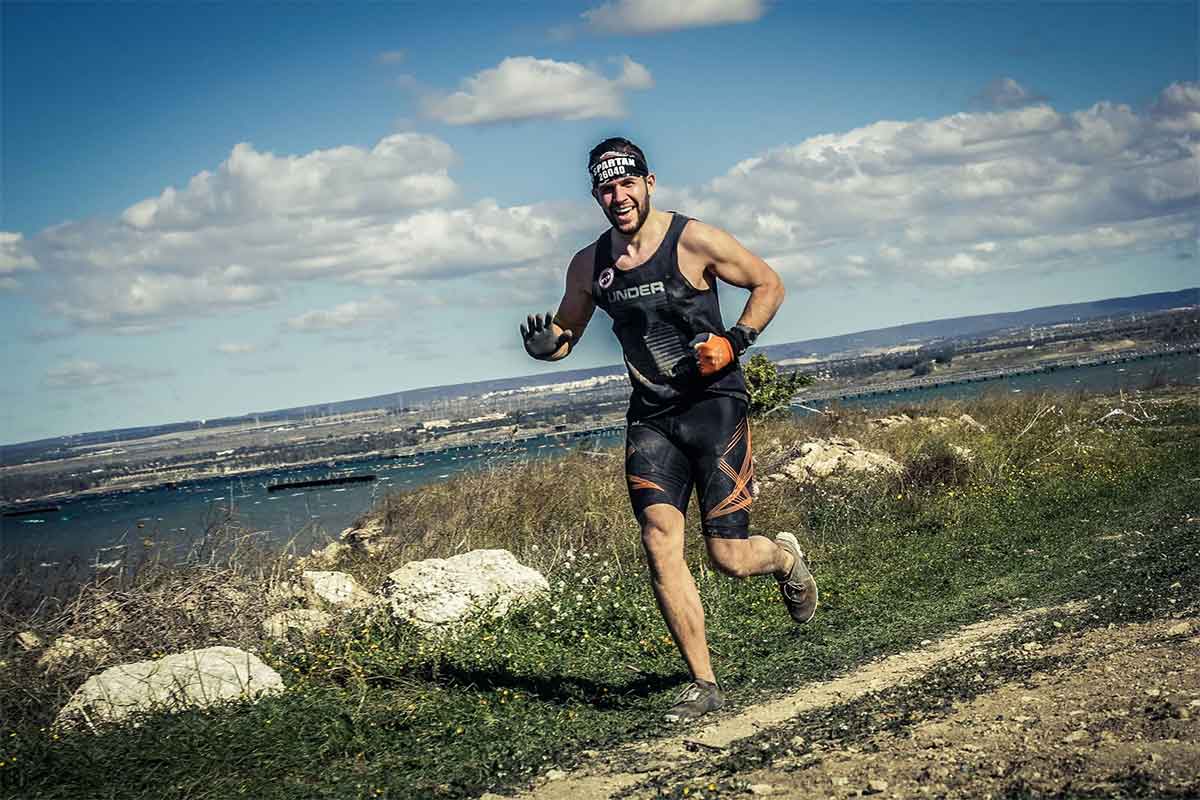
(713, 353)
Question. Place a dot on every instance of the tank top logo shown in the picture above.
(645, 290)
(606, 278)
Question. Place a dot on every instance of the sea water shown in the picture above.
(104, 528)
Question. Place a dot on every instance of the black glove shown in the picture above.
(539, 338)
(740, 337)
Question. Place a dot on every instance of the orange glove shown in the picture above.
(713, 353)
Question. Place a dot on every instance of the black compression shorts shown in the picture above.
(706, 445)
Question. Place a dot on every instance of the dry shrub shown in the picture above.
(217, 594)
(542, 510)
(936, 464)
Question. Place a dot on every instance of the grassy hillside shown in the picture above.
(1049, 503)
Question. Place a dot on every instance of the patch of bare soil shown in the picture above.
(1112, 712)
(1122, 718)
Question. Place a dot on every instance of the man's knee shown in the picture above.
(729, 557)
(663, 545)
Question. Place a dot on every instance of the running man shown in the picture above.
(655, 273)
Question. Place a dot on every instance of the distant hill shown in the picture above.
(955, 327)
(983, 324)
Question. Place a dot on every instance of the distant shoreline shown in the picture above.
(413, 451)
(996, 373)
(851, 392)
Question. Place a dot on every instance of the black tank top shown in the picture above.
(656, 313)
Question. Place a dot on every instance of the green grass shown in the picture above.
(374, 710)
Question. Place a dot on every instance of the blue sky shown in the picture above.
(215, 209)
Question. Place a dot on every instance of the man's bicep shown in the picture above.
(732, 262)
(724, 256)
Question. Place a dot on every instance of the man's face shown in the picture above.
(626, 202)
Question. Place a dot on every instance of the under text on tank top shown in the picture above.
(656, 313)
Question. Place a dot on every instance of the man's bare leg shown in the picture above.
(674, 589)
(743, 558)
(781, 557)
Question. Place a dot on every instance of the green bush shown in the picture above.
(769, 389)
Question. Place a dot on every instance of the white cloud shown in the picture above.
(1005, 93)
(970, 193)
(525, 88)
(262, 370)
(14, 254)
(138, 302)
(236, 348)
(85, 374)
(406, 170)
(1026, 187)
(240, 236)
(657, 16)
(345, 315)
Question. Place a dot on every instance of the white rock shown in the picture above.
(969, 421)
(328, 556)
(28, 640)
(334, 589)
(821, 458)
(68, 648)
(192, 679)
(893, 421)
(1181, 629)
(964, 453)
(441, 594)
(306, 621)
(364, 538)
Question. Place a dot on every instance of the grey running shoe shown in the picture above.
(696, 699)
(799, 589)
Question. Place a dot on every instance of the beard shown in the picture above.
(641, 211)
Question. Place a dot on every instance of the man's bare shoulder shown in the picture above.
(587, 254)
(582, 263)
(702, 238)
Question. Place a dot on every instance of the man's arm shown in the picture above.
(574, 311)
(721, 256)
(725, 257)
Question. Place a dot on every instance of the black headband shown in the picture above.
(616, 165)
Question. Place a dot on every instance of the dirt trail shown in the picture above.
(1129, 700)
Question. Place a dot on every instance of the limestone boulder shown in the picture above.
(334, 590)
(68, 649)
(442, 594)
(893, 421)
(304, 621)
(365, 538)
(823, 458)
(934, 424)
(969, 422)
(28, 640)
(331, 555)
(192, 679)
